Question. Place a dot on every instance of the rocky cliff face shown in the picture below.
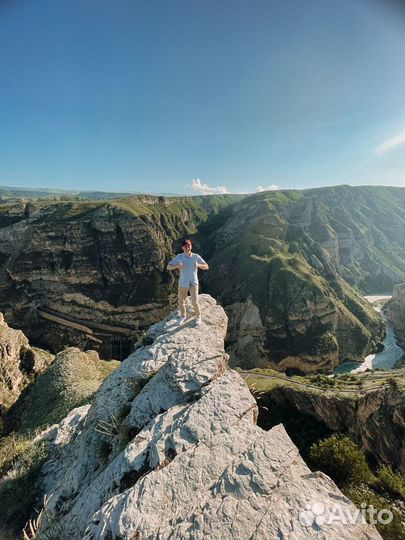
(92, 273)
(373, 414)
(169, 448)
(19, 364)
(89, 273)
(396, 312)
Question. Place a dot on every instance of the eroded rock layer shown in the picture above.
(373, 414)
(288, 266)
(91, 273)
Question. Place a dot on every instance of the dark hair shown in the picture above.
(186, 241)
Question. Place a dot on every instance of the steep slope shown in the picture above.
(396, 312)
(169, 449)
(284, 264)
(71, 380)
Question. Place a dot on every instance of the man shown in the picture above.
(188, 263)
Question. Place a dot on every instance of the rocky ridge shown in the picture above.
(169, 448)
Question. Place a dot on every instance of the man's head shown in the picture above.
(187, 246)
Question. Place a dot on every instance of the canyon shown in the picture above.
(287, 266)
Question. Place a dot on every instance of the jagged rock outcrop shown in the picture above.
(396, 312)
(169, 448)
(19, 364)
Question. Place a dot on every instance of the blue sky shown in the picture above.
(222, 95)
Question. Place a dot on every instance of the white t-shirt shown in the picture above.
(188, 274)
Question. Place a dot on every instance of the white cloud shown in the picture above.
(391, 144)
(272, 187)
(207, 190)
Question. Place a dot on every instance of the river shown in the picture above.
(385, 359)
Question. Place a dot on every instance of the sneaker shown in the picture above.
(182, 320)
(198, 321)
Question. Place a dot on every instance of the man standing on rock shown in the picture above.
(188, 263)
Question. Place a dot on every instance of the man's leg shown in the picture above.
(182, 295)
(194, 300)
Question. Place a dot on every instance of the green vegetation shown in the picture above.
(364, 497)
(393, 382)
(341, 459)
(21, 461)
(323, 381)
(106, 367)
(390, 482)
(292, 252)
(295, 251)
(265, 379)
(69, 382)
(294, 402)
(146, 339)
(196, 207)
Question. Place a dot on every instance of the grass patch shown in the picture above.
(20, 487)
(362, 495)
(390, 482)
(106, 367)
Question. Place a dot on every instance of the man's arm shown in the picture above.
(174, 264)
(201, 264)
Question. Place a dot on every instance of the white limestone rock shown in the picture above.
(170, 449)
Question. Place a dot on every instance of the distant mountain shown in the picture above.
(8, 192)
